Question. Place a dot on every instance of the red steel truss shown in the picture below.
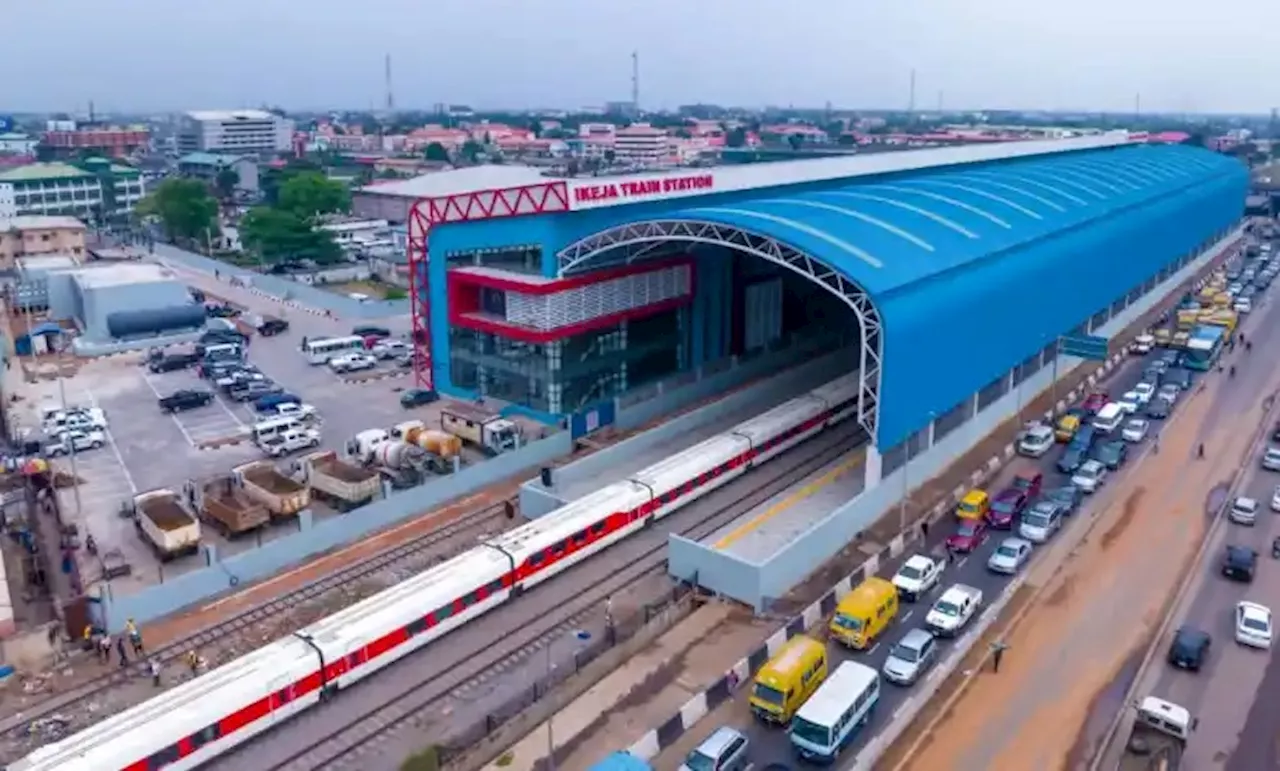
(541, 198)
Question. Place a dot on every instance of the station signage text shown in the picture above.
(639, 189)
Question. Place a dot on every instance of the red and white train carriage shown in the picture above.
(203, 718)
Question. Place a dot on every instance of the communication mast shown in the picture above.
(635, 81)
(391, 99)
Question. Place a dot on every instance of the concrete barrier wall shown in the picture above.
(314, 539)
(725, 574)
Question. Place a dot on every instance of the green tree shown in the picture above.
(278, 235)
(436, 152)
(471, 150)
(737, 137)
(795, 140)
(225, 182)
(310, 194)
(610, 156)
(184, 207)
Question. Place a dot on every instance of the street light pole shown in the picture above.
(71, 449)
(551, 716)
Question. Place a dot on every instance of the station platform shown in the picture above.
(762, 532)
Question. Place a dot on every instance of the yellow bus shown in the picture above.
(788, 679)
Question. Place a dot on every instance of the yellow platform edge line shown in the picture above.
(791, 500)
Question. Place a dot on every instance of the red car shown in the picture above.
(968, 536)
(1028, 482)
(1094, 402)
(1006, 507)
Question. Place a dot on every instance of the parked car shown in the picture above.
(243, 392)
(370, 331)
(389, 349)
(75, 441)
(272, 327)
(173, 362)
(352, 363)
(180, 401)
(416, 397)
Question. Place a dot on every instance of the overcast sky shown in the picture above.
(1181, 55)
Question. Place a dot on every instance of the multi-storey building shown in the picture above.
(29, 236)
(64, 189)
(111, 141)
(234, 132)
(17, 144)
(641, 145)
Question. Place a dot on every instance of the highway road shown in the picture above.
(770, 745)
(1238, 686)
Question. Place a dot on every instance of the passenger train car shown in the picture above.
(194, 722)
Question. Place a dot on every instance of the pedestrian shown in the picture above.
(997, 652)
(104, 648)
(1200, 451)
(924, 529)
(193, 662)
(124, 660)
(135, 637)
(951, 555)
(1155, 445)
(154, 667)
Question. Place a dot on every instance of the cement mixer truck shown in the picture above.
(411, 450)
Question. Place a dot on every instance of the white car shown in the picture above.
(1253, 625)
(1275, 499)
(1169, 392)
(1244, 305)
(389, 349)
(75, 419)
(1144, 391)
(1244, 511)
(1036, 442)
(1009, 556)
(79, 441)
(917, 576)
(1129, 402)
(953, 610)
(1143, 344)
(352, 363)
(1135, 430)
(295, 410)
(1091, 475)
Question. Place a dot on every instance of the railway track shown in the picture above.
(446, 540)
(405, 694)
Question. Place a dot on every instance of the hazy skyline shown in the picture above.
(149, 55)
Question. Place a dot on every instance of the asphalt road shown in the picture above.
(770, 745)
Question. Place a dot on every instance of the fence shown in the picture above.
(528, 708)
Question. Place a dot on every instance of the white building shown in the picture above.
(18, 144)
(358, 236)
(234, 132)
(8, 207)
(640, 145)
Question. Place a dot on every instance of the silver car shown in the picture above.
(1009, 557)
(724, 750)
(1271, 459)
(910, 657)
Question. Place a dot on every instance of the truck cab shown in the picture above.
(1161, 730)
(488, 431)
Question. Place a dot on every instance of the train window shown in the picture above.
(558, 548)
(443, 613)
(472, 598)
(285, 695)
(416, 627)
(495, 586)
(580, 538)
(597, 528)
(165, 757)
(536, 559)
(353, 660)
(203, 736)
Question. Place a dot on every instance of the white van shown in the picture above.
(1109, 417)
(275, 427)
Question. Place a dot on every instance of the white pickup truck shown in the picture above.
(290, 441)
(917, 576)
(953, 610)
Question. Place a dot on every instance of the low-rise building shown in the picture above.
(358, 236)
(17, 144)
(66, 189)
(32, 235)
(641, 145)
(111, 141)
(206, 166)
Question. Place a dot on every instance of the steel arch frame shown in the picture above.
(641, 235)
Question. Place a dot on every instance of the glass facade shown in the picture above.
(525, 260)
(566, 375)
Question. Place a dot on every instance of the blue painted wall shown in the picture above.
(975, 324)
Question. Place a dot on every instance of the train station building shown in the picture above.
(952, 272)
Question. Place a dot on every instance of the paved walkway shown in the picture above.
(1095, 616)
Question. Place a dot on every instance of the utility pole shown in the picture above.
(391, 99)
(911, 97)
(635, 81)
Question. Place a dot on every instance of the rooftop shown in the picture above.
(118, 274)
(33, 222)
(209, 159)
(36, 172)
(471, 179)
(229, 115)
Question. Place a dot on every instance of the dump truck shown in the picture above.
(232, 511)
(1160, 733)
(344, 485)
(283, 496)
(488, 431)
(162, 522)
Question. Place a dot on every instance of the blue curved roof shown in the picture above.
(973, 269)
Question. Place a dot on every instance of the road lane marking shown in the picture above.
(111, 442)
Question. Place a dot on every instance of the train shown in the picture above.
(194, 722)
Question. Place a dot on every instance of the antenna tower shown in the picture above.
(911, 98)
(391, 99)
(635, 81)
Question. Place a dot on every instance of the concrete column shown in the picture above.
(622, 367)
(874, 465)
(698, 311)
(553, 352)
(973, 407)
